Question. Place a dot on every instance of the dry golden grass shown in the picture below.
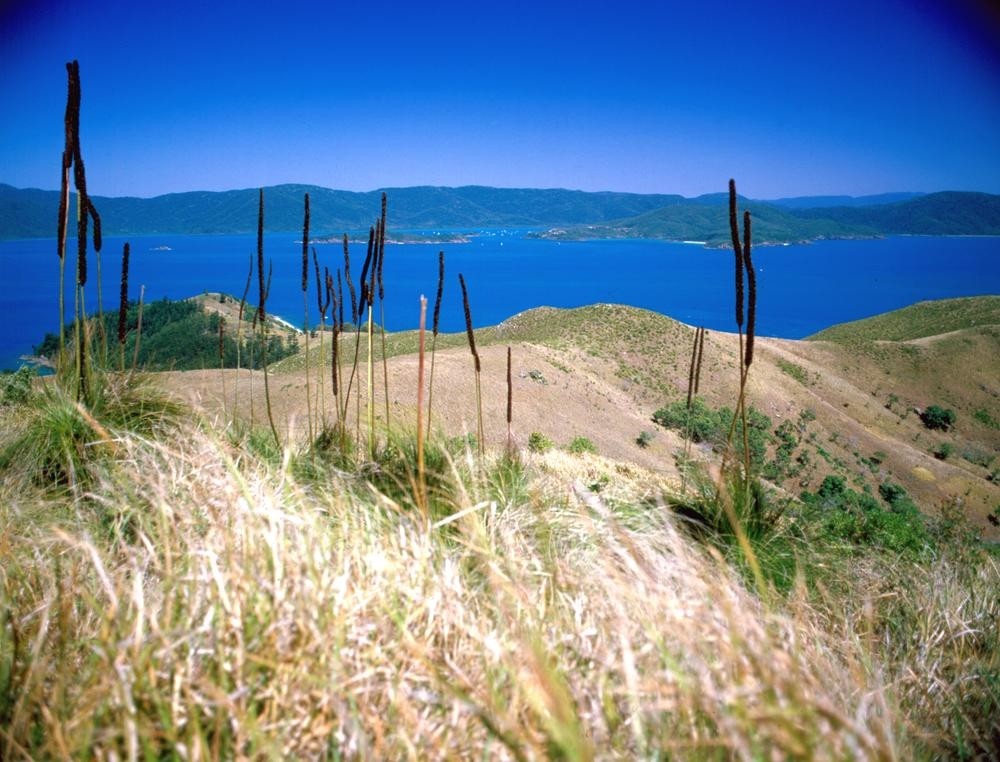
(601, 371)
(201, 603)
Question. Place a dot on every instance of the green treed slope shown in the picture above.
(573, 215)
(947, 213)
(32, 213)
(706, 219)
(917, 321)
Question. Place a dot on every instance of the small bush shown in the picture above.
(977, 457)
(699, 422)
(644, 439)
(797, 372)
(856, 517)
(942, 451)
(538, 442)
(703, 424)
(938, 418)
(15, 388)
(580, 445)
(984, 417)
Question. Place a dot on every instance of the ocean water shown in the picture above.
(801, 288)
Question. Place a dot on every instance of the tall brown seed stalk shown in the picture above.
(437, 318)
(745, 479)
(362, 302)
(123, 305)
(265, 288)
(371, 285)
(510, 407)
(222, 360)
(701, 356)
(138, 328)
(751, 330)
(71, 113)
(85, 211)
(239, 343)
(331, 301)
(322, 305)
(381, 306)
(470, 334)
(305, 309)
(421, 476)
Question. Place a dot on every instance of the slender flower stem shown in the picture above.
(123, 305)
(470, 334)
(421, 478)
(437, 317)
(305, 311)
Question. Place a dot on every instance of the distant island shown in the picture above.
(705, 220)
(555, 214)
(399, 238)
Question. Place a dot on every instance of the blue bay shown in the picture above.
(802, 288)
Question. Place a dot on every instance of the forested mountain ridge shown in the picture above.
(566, 214)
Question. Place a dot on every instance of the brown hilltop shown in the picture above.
(601, 371)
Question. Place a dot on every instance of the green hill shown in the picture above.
(948, 213)
(706, 219)
(32, 213)
(917, 321)
(574, 215)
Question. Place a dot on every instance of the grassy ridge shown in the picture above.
(213, 597)
(917, 321)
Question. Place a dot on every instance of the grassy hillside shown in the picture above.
(601, 372)
(918, 321)
(189, 585)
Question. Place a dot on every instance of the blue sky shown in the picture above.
(791, 98)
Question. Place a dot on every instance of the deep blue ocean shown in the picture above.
(801, 288)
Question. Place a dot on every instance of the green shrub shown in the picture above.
(15, 388)
(183, 336)
(977, 457)
(699, 422)
(644, 439)
(759, 514)
(942, 451)
(703, 424)
(938, 418)
(580, 445)
(63, 441)
(538, 442)
(843, 514)
(778, 468)
(797, 372)
(984, 417)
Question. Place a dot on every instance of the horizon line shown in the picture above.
(387, 188)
